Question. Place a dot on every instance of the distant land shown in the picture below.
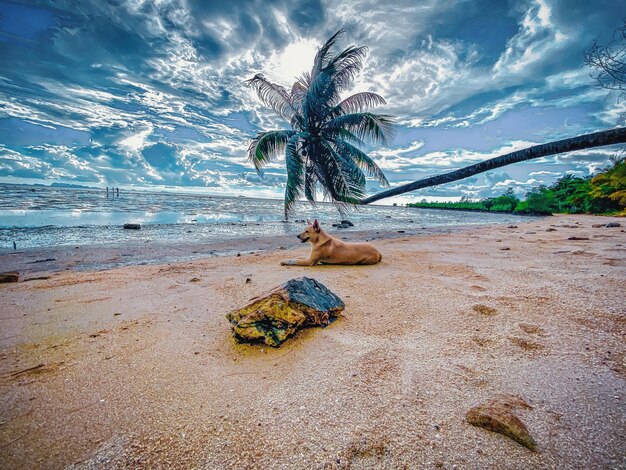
(68, 185)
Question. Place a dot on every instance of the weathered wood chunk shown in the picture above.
(12, 276)
(272, 317)
(497, 416)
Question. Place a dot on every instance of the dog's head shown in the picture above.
(311, 232)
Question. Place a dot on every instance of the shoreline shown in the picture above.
(135, 366)
(42, 260)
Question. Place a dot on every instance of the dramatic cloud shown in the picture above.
(150, 93)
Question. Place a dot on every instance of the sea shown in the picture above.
(43, 216)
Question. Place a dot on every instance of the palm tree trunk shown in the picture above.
(597, 139)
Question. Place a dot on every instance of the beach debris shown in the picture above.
(598, 225)
(11, 276)
(194, 279)
(578, 238)
(37, 278)
(613, 225)
(512, 226)
(274, 316)
(550, 229)
(484, 310)
(132, 226)
(505, 248)
(45, 260)
(497, 416)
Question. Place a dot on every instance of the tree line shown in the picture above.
(603, 193)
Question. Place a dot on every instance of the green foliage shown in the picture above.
(322, 147)
(604, 193)
(539, 200)
(461, 205)
(609, 188)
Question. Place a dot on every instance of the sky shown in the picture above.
(150, 93)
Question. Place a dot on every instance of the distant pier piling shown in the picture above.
(115, 192)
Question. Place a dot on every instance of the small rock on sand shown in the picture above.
(132, 226)
(11, 276)
(497, 416)
(613, 225)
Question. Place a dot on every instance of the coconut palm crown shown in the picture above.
(322, 148)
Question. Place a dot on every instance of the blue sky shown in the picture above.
(150, 94)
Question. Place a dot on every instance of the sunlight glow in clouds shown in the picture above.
(152, 93)
(292, 61)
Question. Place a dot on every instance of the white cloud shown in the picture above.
(137, 140)
(537, 37)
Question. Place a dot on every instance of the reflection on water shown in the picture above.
(41, 216)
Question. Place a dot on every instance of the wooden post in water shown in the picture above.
(107, 192)
(117, 190)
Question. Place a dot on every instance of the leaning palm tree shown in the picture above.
(581, 142)
(323, 147)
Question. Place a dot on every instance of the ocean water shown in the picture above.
(38, 216)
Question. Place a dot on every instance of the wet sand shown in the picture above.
(134, 367)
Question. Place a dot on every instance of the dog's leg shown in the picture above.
(300, 262)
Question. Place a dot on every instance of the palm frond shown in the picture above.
(348, 180)
(267, 144)
(377, 128)
(310, 184)
(347, 66)
(295, 170)
(321, 95)
(323, 53)
(357, 103)
(273, 95)
(343, 134)
(362, 160)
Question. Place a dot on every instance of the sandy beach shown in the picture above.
(135, 367)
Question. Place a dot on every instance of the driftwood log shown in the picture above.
(272, 317)
(12, 276)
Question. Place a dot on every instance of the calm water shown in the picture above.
(35, 216)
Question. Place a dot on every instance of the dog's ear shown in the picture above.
(316, 225)
(308, 222)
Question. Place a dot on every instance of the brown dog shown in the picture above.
(328, 250)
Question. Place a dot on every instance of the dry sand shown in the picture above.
(135, 367)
